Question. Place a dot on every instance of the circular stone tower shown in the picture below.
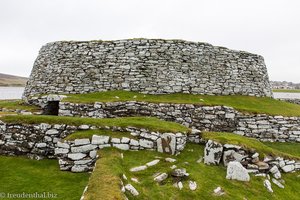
(153, 66)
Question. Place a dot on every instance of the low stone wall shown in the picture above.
(215, 118)
(296, 101)
(269, 128)
(80, 155)
(19, 111)
(44, 140)
(35, 141)
(216, 153)
(205, 118)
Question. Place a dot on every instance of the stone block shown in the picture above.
(146, 143)
(236, 171)
(76, 156)
(100, 139)
(83, 149)
(167, 143)
(213, 152)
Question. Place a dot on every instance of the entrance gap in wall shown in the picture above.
(51, 108)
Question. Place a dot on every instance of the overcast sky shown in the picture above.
(270, 28)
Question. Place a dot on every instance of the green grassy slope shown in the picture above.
(287, 147)
(207, 177)
(19, 174)
(241, 103)
(17, 104)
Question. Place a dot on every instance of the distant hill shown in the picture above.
(10, 80)
(284, 85)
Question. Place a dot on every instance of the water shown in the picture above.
(16, 93)
(11, 92)
(283, 95)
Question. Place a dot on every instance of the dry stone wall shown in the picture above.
(204, 118)
(216, 118)
(296, 101)
(216, 153)
(45, 140)
(148, 66)
(269, 128)
(80, 155)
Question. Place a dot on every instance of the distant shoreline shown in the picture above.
(7, 80)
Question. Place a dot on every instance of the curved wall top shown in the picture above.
(148, 66)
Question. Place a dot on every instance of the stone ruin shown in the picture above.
(153, 66)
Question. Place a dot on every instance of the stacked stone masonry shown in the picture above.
(45, 140)
(296, 101)
(80, 155)
(216, 153)
(204, 118)
(148, 66)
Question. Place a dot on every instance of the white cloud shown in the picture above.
(269, 27)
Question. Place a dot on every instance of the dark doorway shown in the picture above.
(51, 108)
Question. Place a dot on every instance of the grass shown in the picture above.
(287, 147)
(207, 177)
(104, 183)
(89, 134)
(286, 91)
(246, 104)
(17, 105)
(19, 174)
(150, 123)
(251, 143)
(12, 81)
(7, 113)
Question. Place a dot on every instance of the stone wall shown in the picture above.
(204, 118)
(148, 66)
(216, 153)
(216, 118)
(269, 128)
(45, 140)
(80, 155)
(296, 101)
(35, 141)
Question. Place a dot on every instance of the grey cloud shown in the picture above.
(269, 28)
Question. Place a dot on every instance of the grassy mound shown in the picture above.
(251, 143)
(286, 147)
(89, 134)
(150, 123)
(242, 103)
(17, 104)
(19, 174)
(208, 178)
